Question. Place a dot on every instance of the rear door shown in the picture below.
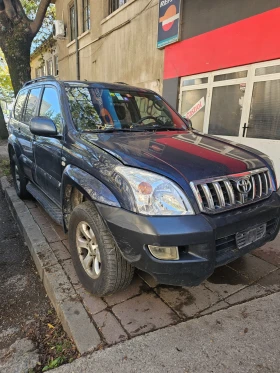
(47, 150)
(24, 135)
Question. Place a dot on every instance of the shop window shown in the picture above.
(50, 67)
(228, 76)
(193, 107)
(267, 70)
(72, 23)
(86, 15)
(115, 4)
(264, 118)
(195, 81)
(226, 110)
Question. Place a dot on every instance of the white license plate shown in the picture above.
(245, 238)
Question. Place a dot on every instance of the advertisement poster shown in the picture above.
(168, 22)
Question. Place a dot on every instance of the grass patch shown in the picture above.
(4, 167)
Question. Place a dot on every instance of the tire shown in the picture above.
(104, 271)
(19, 180)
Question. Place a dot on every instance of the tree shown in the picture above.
(6, 93)
(20, 22)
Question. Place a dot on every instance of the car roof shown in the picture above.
(84, 83)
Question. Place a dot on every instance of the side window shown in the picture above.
(32, 103)
(50, 107)
(19, 105)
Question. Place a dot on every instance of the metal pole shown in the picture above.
(77, 40)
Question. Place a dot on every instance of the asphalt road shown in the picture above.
(22, 294)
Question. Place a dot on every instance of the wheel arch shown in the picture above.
(79, 186)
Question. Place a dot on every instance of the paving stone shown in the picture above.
(187, 302)
(270, 252)
(66, 244)
(78, 325)
(217, 307)
(93, 304)
(135, 288)
(40, 217)
(60, 251)
(150, 281)
(110, 327)
(59, 230)
(252, 267)
(271, 281)
(70, 271)
(246, 294)
(144, 313)
(50, 233)
(226, 281)
(31, 204)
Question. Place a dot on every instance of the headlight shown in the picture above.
(154, 194)
(276, 171)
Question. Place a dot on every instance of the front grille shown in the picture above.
(228, 192)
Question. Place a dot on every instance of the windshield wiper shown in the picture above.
(109, 130)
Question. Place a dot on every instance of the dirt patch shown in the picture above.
(54, 346)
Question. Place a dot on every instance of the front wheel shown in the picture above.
(97, 260)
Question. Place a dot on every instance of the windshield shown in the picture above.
(97, 109)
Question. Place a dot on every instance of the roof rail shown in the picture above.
(121, 83)
(39, 79)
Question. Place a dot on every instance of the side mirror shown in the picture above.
(43, 126)
(189, 122)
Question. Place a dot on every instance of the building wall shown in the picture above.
(119, 47)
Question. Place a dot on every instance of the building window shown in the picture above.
(115, 4)
(86, 15)
(56, 65)
(40, 72)
(50, 67)
(72, 23)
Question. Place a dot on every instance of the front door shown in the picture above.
(48, 150)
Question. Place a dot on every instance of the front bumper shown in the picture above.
(205, 242)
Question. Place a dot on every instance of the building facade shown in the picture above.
(224, 73)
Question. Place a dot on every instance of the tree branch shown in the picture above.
(9, 9)
(41, 12)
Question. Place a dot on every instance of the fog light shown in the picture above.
(164, 252)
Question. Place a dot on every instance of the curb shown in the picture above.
(71, 312)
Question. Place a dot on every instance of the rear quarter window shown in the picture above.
(19, 105)
(32, 105)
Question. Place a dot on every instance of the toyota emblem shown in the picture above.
(244, 186)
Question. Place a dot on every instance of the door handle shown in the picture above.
(244, 129)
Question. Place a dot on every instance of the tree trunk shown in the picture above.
(17, 54)
(3, 129)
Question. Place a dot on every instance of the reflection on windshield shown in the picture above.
(95, 109)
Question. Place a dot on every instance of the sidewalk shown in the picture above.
(242, 339)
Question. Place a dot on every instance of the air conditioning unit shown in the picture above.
(59, 30)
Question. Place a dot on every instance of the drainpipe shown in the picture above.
(77, 40)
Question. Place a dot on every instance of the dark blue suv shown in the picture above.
(135, 186)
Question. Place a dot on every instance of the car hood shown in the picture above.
(192, 155)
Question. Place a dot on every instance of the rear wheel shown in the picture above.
(98, 262)
(19, 180)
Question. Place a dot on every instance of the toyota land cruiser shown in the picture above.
(135, 186)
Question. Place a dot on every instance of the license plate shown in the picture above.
(245, 238)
